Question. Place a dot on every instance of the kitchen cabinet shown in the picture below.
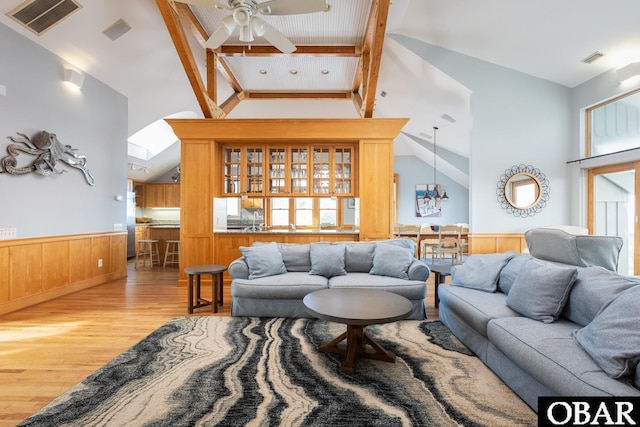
(157, 195)
(295, 170)
(243, 170)
(333, 171)
(138, 188)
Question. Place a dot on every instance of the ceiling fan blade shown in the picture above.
(292, 7)
(273, 36)
(219, 4)
(219, 36)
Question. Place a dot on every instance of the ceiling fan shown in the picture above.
(245, 17)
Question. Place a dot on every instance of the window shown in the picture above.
(280, 212)
(613, 126)
(328, 211)
(304, 212)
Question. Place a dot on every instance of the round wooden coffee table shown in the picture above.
(357, 308)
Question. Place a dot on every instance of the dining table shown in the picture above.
(433, 236)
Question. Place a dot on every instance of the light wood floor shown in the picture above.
(48, 348)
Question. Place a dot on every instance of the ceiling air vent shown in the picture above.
(117, 30)
(593, 57)
(40, 15)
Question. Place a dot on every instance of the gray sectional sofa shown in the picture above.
(271, 279)
(548, 328)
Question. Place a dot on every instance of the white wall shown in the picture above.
(517, 119)
(93, 120)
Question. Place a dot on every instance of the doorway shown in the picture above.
(613, 209)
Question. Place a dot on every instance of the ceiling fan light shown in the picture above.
(246, 35)
(242, 15)
(259, 26)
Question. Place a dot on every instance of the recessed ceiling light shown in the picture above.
(293, 71)
(263, 71)
(325, 71)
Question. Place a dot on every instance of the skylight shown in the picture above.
(155, 137)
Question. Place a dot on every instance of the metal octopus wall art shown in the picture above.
(49, 153)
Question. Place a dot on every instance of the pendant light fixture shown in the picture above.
(437, 196)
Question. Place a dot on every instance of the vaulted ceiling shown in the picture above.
(547, 39)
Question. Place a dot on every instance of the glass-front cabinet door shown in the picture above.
(333, 171)
(298, 171)
(277, 171)
(254, 170)
(232, 170)
(342, 171)
(321, 168)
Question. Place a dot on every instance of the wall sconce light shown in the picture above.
(73, 78)
(629, 73)
(134, 167)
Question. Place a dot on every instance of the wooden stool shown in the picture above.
(173, 251)
(196, 301)
(148, 247)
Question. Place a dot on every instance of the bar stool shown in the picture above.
(173, 251)
(148, 247)
(196, 301)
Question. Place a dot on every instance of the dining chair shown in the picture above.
(429, 242)
(450, 242)
(411, 231)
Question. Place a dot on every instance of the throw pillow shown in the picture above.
(612, 339)
(327, 259)
(295, 256)
(540, 290)
(481, 272)
(263, 260)
(510, 272)
(391, 260)
(358, 257)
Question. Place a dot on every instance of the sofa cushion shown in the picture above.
(481, 272)
(358, 256)
(595, 287)
(263, 260)
(293, 285)
(510, 271)
(613, 337)
(296, 257)
(391, 260)
(540, 290)
(327, 259)
(474, 307)
(636, 380)
(548, 353)
(410, 289)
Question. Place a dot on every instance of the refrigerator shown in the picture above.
(131, 224)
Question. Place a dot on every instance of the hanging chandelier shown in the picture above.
(437, 195)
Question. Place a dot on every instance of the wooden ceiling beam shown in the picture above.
(178, 36)
(191, 22)
(344, 51)
(298, 95)
(228, 75)
(374, 41)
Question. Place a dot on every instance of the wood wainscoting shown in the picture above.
(35, 270)
(490, 243)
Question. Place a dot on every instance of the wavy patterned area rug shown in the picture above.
(262, 372)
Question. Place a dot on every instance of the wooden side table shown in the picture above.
(440, 272)
(195, 300)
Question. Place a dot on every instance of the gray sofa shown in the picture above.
(294, 270)
(548, 328)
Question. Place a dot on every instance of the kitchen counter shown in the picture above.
(152, 225)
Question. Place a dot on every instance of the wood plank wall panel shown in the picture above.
(100, 249)
(25, 271)
(196, 204)
(55, 256)
(485, 243)
(4, 275)
(376, 189)
(80, 265)
(39, 269)
(118, 261)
